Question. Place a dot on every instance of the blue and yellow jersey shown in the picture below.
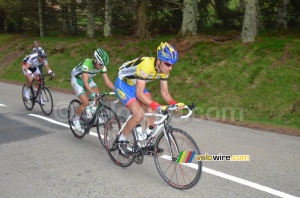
(140, 68)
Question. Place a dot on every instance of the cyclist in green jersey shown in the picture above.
(82, 81)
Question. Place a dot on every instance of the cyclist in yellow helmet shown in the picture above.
(130, 87)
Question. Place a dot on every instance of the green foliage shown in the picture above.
(257, 82)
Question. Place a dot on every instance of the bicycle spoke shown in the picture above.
(73, 106)
(110, 136)
(104, 114)
(29, 103)
(177, 174)
(45, 100)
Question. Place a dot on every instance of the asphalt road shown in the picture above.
(39, 158)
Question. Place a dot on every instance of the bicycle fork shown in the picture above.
(170, 140)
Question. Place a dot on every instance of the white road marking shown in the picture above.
(59, 123)
(3, 105)
(236, 179)
(204, 169)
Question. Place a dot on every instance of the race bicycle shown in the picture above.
(174, 149)
(99, 118)
(40, 94)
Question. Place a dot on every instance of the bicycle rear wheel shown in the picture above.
(29, 103)
(46, 101)
(111, 142)
(73, 106)
(180, 170)
(104, 114)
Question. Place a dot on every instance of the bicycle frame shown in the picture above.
(162, 124)
(41, 84)
(100, 97)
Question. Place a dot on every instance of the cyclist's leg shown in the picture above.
(79, 90)
(29, 80)
(95, 88)
(137, 116)
(126, 94)
(150, 120)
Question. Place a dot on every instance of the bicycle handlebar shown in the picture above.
(164, 113)
(101, 95)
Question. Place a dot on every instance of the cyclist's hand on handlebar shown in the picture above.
(51, 73)
(180, 106)
(154, 105)
(162, 107)
(93, 95)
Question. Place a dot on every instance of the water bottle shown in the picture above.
(88, 112)
(93, 108)
(148, 132)
(139, 132)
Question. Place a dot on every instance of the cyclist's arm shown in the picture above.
(27, 65)
(85, 79)
(48, 68)
(140, 86)
(108, 83)
(165, 91)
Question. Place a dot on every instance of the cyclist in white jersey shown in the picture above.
(82, 81)
(30, 69)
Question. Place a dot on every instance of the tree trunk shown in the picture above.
(73, 12)
(41, 17)
(249, 30)
(64, 18)
(282, 12)
(2, 21)
(141, 17)
(107, 18)
(189, 23)
(90, 29)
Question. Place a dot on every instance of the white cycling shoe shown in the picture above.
(42, 102)
(77, 125)
(100, 121)
(27, 93)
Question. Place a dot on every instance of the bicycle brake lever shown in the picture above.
(192, 106)
(165, 111)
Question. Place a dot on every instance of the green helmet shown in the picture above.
(101, 56)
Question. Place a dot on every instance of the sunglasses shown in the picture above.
(100, 64)
(168, 64)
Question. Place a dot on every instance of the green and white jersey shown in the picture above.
(87, 66)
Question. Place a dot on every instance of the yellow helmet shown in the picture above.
(167, 53)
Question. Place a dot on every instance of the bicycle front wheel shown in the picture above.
(111, 142)
(46, 101)
(104, 114)
(29, 103)
(73, 106)
(177, 164)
